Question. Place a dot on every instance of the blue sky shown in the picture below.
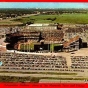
(42, 5)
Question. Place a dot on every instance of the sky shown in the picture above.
(42, 5)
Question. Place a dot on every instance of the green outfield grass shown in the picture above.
(52, 46)
(63, 18)
(31, 46)
(27, 46)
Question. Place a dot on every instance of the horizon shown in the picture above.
(43, 5)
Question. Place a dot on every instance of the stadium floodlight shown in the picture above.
(29, 46)
(48, 41)
(52, 44)
(24, 44)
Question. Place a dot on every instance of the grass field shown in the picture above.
(27, 46)
(34, 79)
(53, 73)
(52, 46)
(31, 46)
(64, 18)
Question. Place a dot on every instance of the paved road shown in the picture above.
(41, 75)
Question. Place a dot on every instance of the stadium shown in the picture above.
(48, 49)
(43, 37)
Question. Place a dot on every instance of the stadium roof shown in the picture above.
(39, 25)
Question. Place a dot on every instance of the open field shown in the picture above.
(10, 21)
(18, 78)
(63, 18)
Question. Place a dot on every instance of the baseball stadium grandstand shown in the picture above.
(41, 37)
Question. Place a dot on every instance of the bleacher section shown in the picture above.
(76, 30)
(54, 35)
